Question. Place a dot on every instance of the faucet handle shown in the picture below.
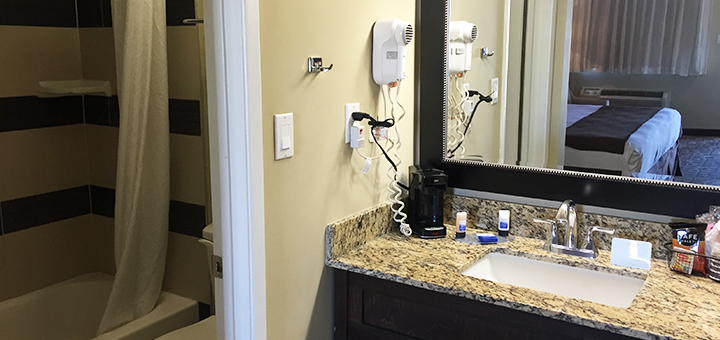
(554, 221)
(590, 244)
(602, 230)
(552, 237)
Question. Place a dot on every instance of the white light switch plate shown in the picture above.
(284, 136)
(494, 85)
(349, 109)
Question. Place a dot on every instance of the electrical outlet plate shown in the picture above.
(494, 85)
(349, 109)
(468, 106)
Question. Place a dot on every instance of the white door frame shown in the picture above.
(232, 35)
(538, 82)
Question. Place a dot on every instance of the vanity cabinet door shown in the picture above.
(371, 308)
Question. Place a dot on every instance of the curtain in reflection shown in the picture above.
(640, 36)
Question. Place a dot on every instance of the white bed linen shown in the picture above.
(642, 150)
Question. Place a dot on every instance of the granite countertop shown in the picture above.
(670, 305)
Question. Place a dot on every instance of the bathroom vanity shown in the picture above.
(388, 286)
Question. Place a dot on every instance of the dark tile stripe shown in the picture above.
(90, 13)
(22, 113)
(28, 212)
(185, 117)
(106, 13)
(97, 110)
(114, 111)
(701, 132)
(184, 114)
(103, 201)
(185, 218)
(204, 311)
(30, 112)
(177, 10)
(49, 13)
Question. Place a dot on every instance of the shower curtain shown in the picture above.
(142, 186)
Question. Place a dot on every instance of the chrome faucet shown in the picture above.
(568, 213)
(567, 217)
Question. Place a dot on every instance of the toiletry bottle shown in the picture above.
(503, 222)
(461, 221)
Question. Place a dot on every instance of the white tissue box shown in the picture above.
(631, 253)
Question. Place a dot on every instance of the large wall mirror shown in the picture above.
(612, 103)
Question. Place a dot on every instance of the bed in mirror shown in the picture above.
(590, 103)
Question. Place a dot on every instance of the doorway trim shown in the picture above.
(232, 35)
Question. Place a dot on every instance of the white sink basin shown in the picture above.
(579, 283)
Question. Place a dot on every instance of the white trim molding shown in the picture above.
(538, 86)
(232, 34)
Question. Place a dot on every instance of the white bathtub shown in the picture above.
(71, 310)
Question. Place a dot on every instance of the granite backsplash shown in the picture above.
(483, 214)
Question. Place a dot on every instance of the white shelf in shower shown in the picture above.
(60, 88)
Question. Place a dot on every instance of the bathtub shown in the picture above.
(71, 310)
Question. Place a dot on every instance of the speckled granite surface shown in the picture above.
(483, 214)
(669, 306)
(349, 233)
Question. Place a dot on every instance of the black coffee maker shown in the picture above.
(425, 202)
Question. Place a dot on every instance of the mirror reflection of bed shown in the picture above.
(623, 140)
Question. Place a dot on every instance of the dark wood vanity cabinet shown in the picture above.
(371, 308)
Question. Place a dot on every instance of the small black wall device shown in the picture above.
(425, 202)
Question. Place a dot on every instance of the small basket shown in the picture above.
(713, 263)
(714, 268)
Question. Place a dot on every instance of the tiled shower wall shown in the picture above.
(58, 156)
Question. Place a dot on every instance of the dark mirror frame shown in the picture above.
(624, 193)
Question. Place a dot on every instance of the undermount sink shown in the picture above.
(579, 283)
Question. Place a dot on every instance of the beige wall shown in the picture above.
(31, 54)
(38, 161)
(323, 181)
(484, 136)
(97, 50)
(38, 257)
(696, 97)
(183, 62)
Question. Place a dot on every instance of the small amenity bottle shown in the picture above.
(503, 222)
(461, 221)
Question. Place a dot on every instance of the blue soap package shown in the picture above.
(486, 238)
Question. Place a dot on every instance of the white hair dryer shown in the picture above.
(390, 40)
(462, 36)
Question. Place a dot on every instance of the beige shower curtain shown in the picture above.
(142, 185)
(640, 36)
